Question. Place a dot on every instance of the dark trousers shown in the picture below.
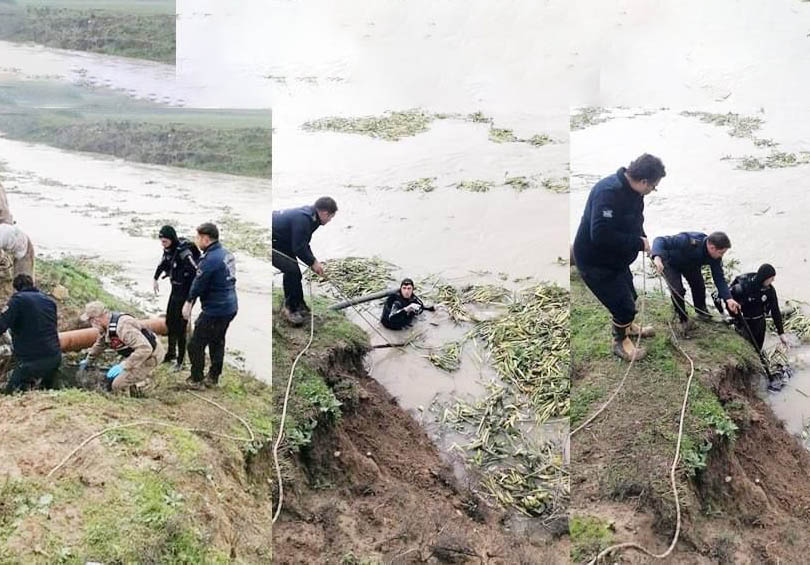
(293, 291)
(26, 373)
(614, 289)
(754, 332)
(694, 277)
(176, 326)
(209, 331)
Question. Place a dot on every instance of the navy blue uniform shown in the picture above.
(292, 232)
(608, 241)
(757, 302)
(215, 286)
(683, 256)
(31, 317)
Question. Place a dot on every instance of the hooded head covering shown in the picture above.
(169, 233)
(765, 272)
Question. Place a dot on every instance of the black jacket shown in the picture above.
(612, 225)
(688, 250)
(394, 316)
(292, 232)
(755, 300)
(31, 317)
(179, 262)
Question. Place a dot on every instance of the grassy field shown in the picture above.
(77, 119)
(142, 29)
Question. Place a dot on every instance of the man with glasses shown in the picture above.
(292, 232)
(610, 236)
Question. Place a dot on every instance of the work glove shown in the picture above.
(84, 363)
(114, 371)
(412, 307)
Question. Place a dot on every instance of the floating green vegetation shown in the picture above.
(391, 126)
(530, 348)
(776, 160)
(518, 183)
(475, 185)
(738, 125)
(356, 276)
(425, 184)
(588, 116)
(448, 357)
(517, 471)
(499, 135)
(558, 185)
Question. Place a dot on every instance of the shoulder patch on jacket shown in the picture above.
(607, 213)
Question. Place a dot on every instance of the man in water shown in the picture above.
(140, 348)
(31, 318)
(401, 307)
(610, 237)
(757, 298)
(682, 256)
(179, 264)
(292, 232)
(215, 286)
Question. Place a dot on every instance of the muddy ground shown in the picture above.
(744, 487)
(370, 487)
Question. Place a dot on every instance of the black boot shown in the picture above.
(170, 351)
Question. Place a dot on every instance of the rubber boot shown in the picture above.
(624, 347)
(634, 329)
(293, 318)
(775, 385)
(686, 326)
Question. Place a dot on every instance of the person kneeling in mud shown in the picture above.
(757, 297)
(401, 307)
(138, 345)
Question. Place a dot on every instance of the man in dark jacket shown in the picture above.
(292, 232)
(757, 298)
(401, 307)
(610, 237)
(179, 264)
(215, 286)
(31, 317)
(682, 256)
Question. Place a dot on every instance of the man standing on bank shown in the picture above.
(682, 256)
(292, 232)
(215, 286)
(179, 263)
(610, 237)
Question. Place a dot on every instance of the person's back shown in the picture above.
(31, 317)
(218, 266)
(34, 330)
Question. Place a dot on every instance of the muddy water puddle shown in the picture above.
(792, 403)
(82, 204)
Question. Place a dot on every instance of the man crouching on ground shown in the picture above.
(138, 345)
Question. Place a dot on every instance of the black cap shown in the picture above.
(406, 281)
(765, 272)
(168, 232)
